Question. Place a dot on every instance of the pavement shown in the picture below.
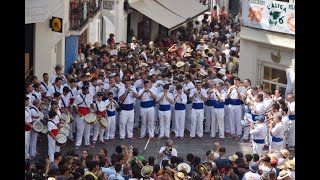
(196, 146)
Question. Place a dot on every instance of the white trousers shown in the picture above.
(110, 131)
(235, 120)
(97, 130)
(27, 137)
(173, 120)
(188, 117)
(197, 122)
(276, 146)
(126, 122)
(207, 115)
(33, 143)
(291, 133)
(217, 116)
(83, 129)
(136, 113)
(147, 120)
(164, 121)
(246, 130)
(180, 116)
(227, 118)
(52, 148)
(257, 148)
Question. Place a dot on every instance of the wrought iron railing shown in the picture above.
(79, 13)
(94, 6)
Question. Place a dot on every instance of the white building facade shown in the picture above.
(267, 55)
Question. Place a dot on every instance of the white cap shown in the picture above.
(226, 46)
(233, 49)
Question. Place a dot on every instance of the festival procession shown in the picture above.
(100, 116)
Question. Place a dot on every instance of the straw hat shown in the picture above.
(180, 64)
(179, 176)
(202, 40)
(290, 164)
(222, 71)
(284, 152)
(218, 65)
(146, 171)
(184, 166)
(233, 157)
(283, 174)
(143, 64)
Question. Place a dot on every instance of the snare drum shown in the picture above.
(103, 123)
(38, 126)
(64, 130)
(61, 139)
(45, 129)
(90, 118)
(66, 118)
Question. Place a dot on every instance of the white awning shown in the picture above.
(169, 13)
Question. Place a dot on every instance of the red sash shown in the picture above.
(84, 110)
(101, 113)
(71, 100)
(55, 132)
(27, 128)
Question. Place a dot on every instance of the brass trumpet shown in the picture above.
(256, 123)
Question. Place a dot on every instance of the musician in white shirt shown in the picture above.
(94, 88)
(45, 85)
(277, 133)
(34, 110)
(56, 87)
(36, 93)
(235, 94)
(208, 108)
(138, 85)
(147, 96)
(218, 96)
(58, 73)
(81, 106)
(188, 86)
(198, 96)
(259, 133)
(180, 111)
(127, 96)
(100, 110)
(291, 128)
(267, 99)
(28, 127)
(111, 105)
(165, 99)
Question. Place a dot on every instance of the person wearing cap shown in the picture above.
(127, 95)
(291, 128)
(111, 105)
(253, 172)
(100, 109)
(165, 99)
(52, 133)
(81, 105)
(56, 87)
(180, 100)
(283, 156)
(187, 87)
(277, 132)
(147, 96)
(202, 46)
(284, 175)
(218, 98)
(198, 96)
(258, 133)
(235, 93)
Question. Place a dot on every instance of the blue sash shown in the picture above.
(111, 113)
(275, 139)
(217, 104)
(259, 141)
(227, 101)
(235, 102)
(147, 104)
(292, 117)
(210, 102)
(179, 106)
(166, 107)
(197, 105)
(116, 99)
(253, 116)
(127, 107)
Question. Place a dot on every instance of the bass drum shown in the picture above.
(38, 126)
(103, 123)
(90, 118)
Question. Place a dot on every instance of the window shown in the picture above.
(273, 78)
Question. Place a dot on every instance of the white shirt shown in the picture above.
(184, 98)
(34, 112)
(260, 109)
(51, 126)
(114, 90)
(130, 97)
(259, 132)
(36, 95)
(202, 47)
(221, 94)
(165, 156)
(147, 96)
(188, 86)
(153, 71)
(112, 107)
(54, 89)
(278, 130)
(78, 101)
(234, 94)
(267, 103)
(196, 96)
(255, 176)
(27, 115)
(54, 76)
(285, 121)
(100, 106)
(291, 107)
(138, 84)
(45, 87)
(66, 100)
(165, 100)
(57, 118)
(114, 52)
(93, 90)
(227, 51)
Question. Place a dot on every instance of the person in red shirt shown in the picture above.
(214, 13)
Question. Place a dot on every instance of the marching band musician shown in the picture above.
(198, 96)
(127, 97)
(100, 109)
(138, 84)
(147, 95)
(58, 74)
(94, 88)
(56, 87)
(291, 128)
(111, 105)
(65, 100)
(208, 108)
(188, 86)
(45, 85)
(258, 132)
(276, 129)
(227, 126)
(81, 106)
(36, 93)
(180, 111)
(73, 93)
(34, 110)
(165, 99)
(285, 121)
(267, 99)
(52, 133)
(235, 94)
(27, 128)
(218, 115)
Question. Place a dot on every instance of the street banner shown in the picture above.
(269, 15)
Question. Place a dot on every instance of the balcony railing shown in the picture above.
(81, 11)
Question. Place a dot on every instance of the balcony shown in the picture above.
(80, 13)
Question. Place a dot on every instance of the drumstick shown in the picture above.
(145, 146)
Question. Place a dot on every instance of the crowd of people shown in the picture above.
(185, 83)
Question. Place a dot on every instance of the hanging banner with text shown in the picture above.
(269, 15)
